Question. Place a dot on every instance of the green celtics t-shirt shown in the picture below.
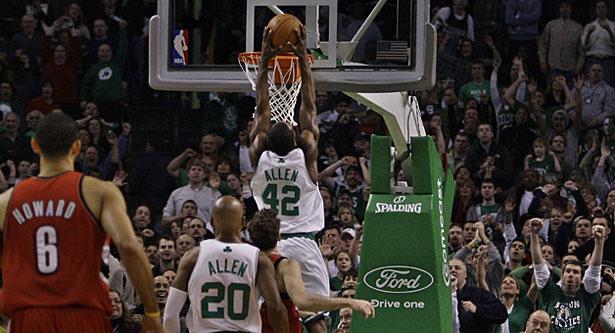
(489, 210)
(519, 314)
(569, 314)
(543, 167)
(335, 284)
(471, 89)
(523, 276)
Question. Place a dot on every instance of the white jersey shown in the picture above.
(282, 183)
(313, 270)
(222, 289)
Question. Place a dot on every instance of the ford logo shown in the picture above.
(398, 279)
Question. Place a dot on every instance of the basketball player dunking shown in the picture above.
(52, 229)
(286, 174)
(221, 278)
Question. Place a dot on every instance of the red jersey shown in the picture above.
(51, 254)
(294, 322)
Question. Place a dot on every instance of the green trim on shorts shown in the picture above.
(308, 235)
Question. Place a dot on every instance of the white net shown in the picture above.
(284, 83)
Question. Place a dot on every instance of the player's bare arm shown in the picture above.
(179, 291)
(185, 268)
(265, 281)
(291, 273)
(308, 139)
(106, 202)
(262, 114)
(4, 203)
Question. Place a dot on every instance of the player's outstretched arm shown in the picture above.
(265, 282)
(308, 93)
(262, 115)
(308, 123)
(291, 271)
(5, 197)
(117, 224)
(179, 291)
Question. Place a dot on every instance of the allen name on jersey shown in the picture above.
(281, 174)
(224, 266)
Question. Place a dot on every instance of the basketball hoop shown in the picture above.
(284, 79)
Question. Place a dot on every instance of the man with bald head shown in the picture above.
(538, 322)
(209, 146)
(476, 308)
(185, 243)
(218, 272)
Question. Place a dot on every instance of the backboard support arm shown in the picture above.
(275, 9)
(403, 119)
(363, 29)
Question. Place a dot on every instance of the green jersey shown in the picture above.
(474, 90)
(522, 274)
(519, 313)
(491, 209)
(569, 314)
(544, 167)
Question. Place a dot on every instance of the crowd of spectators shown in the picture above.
(523, 113)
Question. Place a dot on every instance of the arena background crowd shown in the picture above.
(523, 112)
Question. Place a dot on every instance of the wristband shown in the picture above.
(153, 314)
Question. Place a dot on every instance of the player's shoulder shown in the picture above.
(263, 260)
(5, 197)
(95, 186)
(297, 154)
(96, 192)
(287, 265)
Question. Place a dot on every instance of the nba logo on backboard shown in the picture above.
(180, 47)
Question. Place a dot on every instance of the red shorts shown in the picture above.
(294, 323)
(59, 320)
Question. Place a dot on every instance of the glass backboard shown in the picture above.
(359, 46)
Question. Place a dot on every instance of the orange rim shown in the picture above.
(284, 59)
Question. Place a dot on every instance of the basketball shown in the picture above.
(282, 31)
